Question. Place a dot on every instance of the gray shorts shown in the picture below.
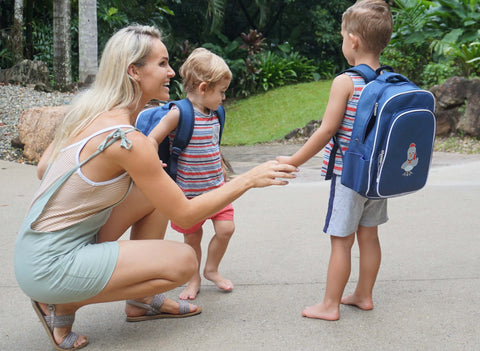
(347, 210)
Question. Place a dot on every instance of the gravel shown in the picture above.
(14, 99)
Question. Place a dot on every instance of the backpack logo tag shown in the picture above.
(412, 160)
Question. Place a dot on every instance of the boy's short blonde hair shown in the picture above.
(203, 66)
(372, 21)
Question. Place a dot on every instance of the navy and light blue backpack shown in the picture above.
(149, 118)
(392, 140)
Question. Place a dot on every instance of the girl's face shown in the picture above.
(154, 77)
(214, 96)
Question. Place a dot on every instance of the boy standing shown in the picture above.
(366, 31)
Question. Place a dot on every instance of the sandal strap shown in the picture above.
(69, 341)
(184, 307)
(157, 302)
(153, 308)
(55, 321)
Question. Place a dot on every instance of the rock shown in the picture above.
(26, 72)
(447, 120)
(452, 93)
(469, 123)
(36, 129)
(458, 107)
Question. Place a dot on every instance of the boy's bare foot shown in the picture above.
(192, 289)
(220, 282)
(319, 311)
(362, 303)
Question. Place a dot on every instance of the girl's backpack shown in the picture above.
(392, 140)
(149, 118)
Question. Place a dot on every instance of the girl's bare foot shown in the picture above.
(59, 334)
(362, 303)
(220, 282)
(192, 289)
(320, 311)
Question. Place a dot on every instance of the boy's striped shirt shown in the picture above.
(344, 132)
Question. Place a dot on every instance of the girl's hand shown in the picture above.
(284, 159)
(270, 173)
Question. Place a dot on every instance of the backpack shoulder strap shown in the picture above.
(183, 133)
(367, 73)
(221, 119)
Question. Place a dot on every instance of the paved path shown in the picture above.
(426, 297)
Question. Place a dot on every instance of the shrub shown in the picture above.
(438, 73)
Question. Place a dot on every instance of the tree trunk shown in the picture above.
(28, 52)
(17, 31)
(87, 40)
(62, 58)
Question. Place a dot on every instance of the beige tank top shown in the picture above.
(79, 197)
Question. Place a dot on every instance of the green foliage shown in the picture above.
(271, 115)
(467, 56)
(278, 69)
(438, 73)
(7, 58)
(435, 32)
(410, 63)
(109, 21)
(43, 42)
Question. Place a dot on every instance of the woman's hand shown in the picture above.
(270, 173)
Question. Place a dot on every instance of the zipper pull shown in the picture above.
(380, 162)
(375, 109)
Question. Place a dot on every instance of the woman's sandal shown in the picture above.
(53, 321)
(153, 309)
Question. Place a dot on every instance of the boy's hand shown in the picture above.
(284, 159)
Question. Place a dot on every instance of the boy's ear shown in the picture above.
(202, 88)
(355, 40)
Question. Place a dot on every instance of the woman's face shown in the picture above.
(154, 77)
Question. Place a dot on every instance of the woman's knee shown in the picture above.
(187, 260)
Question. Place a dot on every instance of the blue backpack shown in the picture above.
(149, 118)
(392, 140)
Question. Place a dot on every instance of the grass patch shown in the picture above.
(460, 144)
(269, 116)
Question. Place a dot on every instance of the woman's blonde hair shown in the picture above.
(372, 21)
(113, 87)
(201, 66)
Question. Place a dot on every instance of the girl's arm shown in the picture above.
(340, 92)
(166, 125)
(141, 162)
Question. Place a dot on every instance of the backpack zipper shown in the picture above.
(375, 109)
(380, 161)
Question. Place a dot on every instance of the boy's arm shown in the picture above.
(166, 125)
(340, 92)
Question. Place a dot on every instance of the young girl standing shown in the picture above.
(205, 77)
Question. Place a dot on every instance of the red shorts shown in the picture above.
(223, 215)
